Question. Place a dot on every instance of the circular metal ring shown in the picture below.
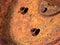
(48, 9)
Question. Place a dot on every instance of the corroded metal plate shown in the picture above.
(48, 9)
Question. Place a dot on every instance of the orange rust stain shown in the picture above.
(22, 24)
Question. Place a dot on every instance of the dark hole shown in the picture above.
(32, 30)
(23, 10)
(35, 31)
(44, 10)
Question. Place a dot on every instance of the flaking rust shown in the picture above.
(48, 8)
(54, 42)
(55, 2)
